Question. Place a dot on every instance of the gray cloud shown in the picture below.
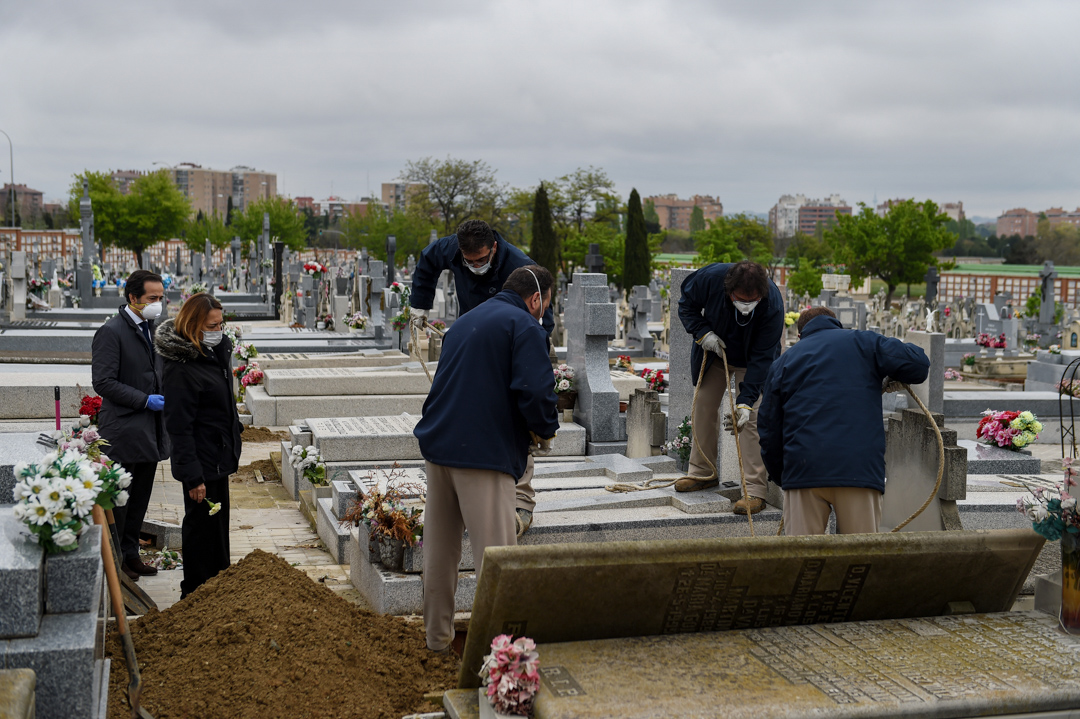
(961, 100)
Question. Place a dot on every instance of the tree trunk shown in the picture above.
(889, 294)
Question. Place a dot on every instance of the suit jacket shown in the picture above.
(126, 371)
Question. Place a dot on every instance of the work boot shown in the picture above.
(133, 576)
(523, 517)
(137, 566)
(756, 504)
(694, 484)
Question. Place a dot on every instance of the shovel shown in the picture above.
(135, 686)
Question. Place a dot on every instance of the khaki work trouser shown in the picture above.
(806, 511)
(706, 421)
(479, 500)
(526, 495)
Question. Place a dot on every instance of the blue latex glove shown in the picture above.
(155, 402)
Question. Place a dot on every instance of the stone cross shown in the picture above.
(640, 304)
(84, 276)
(1046, 311)
(594, 261)
(590, 321)
(680, 387)
(931, 284)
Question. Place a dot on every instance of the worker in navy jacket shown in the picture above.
(822, 437)
(481, 261)
(492, 400)
(737, 309)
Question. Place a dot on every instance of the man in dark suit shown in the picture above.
(127, 376)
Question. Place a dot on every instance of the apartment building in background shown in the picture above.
(1057, 216)
(955, 210)
(1018, 221)
(822, 212)
(209, 190)
(784, 215)
(28, 201)
(398, 194)
(124, 178)
(675, 214)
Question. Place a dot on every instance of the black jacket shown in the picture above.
(125, 373)
(820, 417)
(472, 289)
(493, 385)
(200, 412)
(752, 342)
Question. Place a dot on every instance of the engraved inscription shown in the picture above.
(560, 682)
(705, 599)
(515, 628)
(363, 426)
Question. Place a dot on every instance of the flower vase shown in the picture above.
(320, 325)
(488, 712)
(683, 465)
(1069, 616)
(392, 553)
(565, 400)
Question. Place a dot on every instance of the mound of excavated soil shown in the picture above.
(246, 473)
(263, 640)
(262, 434)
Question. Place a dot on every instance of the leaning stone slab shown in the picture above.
(574, 592)
(1012, 663)
(22, 569)
(911, 466)
(986, 459)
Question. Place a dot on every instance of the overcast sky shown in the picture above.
(971, 101)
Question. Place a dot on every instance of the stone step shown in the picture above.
(364, 358)
(973, 404)
(987, 459)
(267, 411)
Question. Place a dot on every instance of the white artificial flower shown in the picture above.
(84, 420)
(36, 512)
(84, 503)
(564, 385)
(92, 484)
(49, 458)
(121, 498)
(21, 468)
(65, 538)
(61, 516)
(124, 480)
(71, 485)
(311, 449)
(1039, 512)
(51, 496)
(1068, 503)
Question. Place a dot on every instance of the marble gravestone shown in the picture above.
(348, 438)
(590, 323)
(574, 592)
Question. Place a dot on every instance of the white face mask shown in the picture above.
(540, 292)
(151, 311)
(212, 339)
(745, 307)
(481, 270)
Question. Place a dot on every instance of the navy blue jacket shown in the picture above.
(752, 342)
(472, 289)
(820, 420)
(494, 384)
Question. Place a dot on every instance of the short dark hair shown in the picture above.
(747, 277)
(521, 281)
(810, 314)
(136, 284)
(474, 235)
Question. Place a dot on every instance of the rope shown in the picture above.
(414, 345)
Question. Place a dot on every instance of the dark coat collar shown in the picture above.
(819, 323)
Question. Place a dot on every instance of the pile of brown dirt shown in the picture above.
(246, 474)
(263, 640)
(262, 434)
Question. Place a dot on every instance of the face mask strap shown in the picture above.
(538, 291)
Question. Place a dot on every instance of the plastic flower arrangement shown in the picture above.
(1008, 430)
(386, 516)
(401, 322)
(1070, 388)
(790, 318)
(681, 444)
(356, 321)
(623, 362)
(564, 379)
(1053, 512)
(968, 360)
(327, 320)
(39, 285)
(315, 269)
(55, 495)
(89, 407)
(1054, 349)
(244, 351)
(951, 374)
(1032, 340)
(252, 374)
(985, 340)
(946, 310)
(655, 379)
(511, 673)
(308, 461)
(438, 325)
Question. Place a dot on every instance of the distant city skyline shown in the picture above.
(959, 101)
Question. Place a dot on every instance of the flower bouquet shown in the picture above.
(951, 374)
(1008, 430)
(391, 525)
(89, 408)
(790, 318)
(1053, 514)
(437, 325)
(655, 379)
(400, 322)
(511, 676)
(681, 444)
(37, 286)
(1054, 349)
(564, 379)
(245, 351)
(1032, 340)
(985, 340)
(623, 362)
(308, 461)
(56, 494)
(315, 269)
(968, 360)
(356, 321)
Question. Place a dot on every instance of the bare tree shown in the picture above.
(458, 190)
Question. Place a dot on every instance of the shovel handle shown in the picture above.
(110, 570)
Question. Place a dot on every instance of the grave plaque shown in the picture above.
(365, 438)
(1014, 663)
(573, 592)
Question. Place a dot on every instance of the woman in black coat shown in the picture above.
(202, 421)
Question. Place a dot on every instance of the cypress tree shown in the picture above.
(636, 256)
(544, 250)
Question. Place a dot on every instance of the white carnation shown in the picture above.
(65, 538)
(124, 480)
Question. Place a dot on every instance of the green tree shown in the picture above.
(581, 190)
(203, 228)
(697, 220)
(806, 279)
(612, 248)
(411, 231)
(717, 244)
(636, 260)
(651, 215)
(286, 223)
(897, 248)
(457, 190)
(544, 249)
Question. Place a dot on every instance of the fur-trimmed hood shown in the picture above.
(172, 346)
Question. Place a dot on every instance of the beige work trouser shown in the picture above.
(706, 421)
(479, 500)
(806, 511)
(526, 495)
